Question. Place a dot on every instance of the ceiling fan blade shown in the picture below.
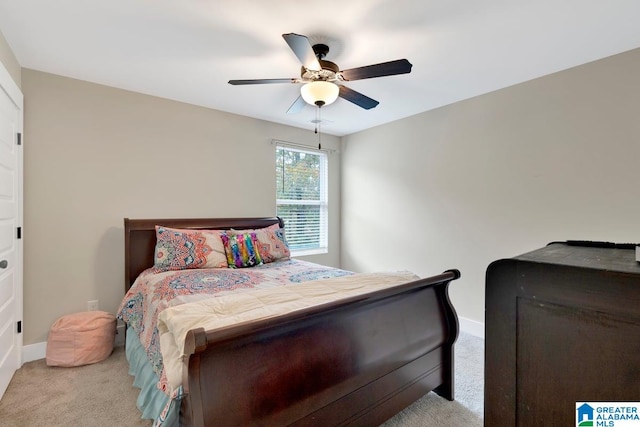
(302, 49)
(297, 106)
(262, 81)
(391, 68)
(357, 98)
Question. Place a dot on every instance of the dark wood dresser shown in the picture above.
(562, 325)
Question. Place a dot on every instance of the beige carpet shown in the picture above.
(98, 395)
(102, 394)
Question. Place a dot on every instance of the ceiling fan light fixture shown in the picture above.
(320, 93)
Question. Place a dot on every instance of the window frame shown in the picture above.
(323, 202)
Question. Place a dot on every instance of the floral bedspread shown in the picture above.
(153, 292)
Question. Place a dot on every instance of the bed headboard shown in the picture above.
(140, 237)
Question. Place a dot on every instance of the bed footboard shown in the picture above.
(357, 361)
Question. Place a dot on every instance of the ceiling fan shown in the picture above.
(323, 79)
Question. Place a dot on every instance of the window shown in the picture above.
(301, 198)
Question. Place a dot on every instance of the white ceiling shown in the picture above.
(187, 50)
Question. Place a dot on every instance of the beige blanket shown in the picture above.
(240, 307)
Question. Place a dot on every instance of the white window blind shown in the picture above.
(301, 198)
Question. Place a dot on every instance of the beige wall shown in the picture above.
(491, 177)
(463, 185)
(8, 59)
(94, 155)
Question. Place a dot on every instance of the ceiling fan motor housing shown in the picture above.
(327, 73)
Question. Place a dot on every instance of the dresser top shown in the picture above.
(601, 258)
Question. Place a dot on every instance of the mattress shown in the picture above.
(235, 309)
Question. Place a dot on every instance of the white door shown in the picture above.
(10, 221)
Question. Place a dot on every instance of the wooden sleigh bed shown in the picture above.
(357, 361)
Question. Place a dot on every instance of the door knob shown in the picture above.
(4, 263)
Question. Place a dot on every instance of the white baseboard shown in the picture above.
(33, 352)
(472, 327)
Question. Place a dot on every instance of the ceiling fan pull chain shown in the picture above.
(316, 122)
(319, 120)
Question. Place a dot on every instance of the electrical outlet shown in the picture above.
(92, 305)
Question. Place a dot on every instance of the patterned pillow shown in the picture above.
(178, 249)
(272, 243)
(241, 249)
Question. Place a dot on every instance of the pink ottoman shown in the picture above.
(81, 338)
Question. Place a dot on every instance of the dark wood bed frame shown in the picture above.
(355, 362)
